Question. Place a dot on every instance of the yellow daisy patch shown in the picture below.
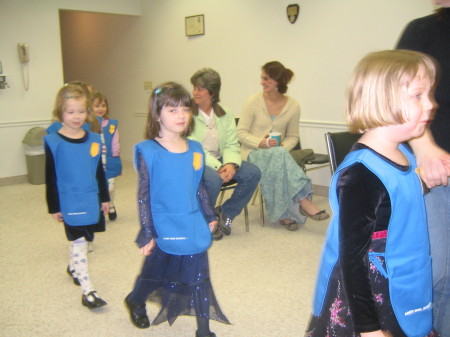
(197, 161)
(112, 128)
(95, 149)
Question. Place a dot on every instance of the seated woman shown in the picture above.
(284, 185)
(215, 129)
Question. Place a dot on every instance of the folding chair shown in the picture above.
(338, 145)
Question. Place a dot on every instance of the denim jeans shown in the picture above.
(438, 214)
(247, 177)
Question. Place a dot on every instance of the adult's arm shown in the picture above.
(433, 161)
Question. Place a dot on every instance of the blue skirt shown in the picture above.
(180, 285)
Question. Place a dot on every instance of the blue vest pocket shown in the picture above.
(377, 263)
(413, 313)
(80, 209)
(182, 233)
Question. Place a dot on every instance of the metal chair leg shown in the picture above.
(255, 194)
(222, 193)
(247, 227)
(261, 209)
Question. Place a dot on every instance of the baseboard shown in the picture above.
(320, 190)
(13, 180)
(317, 189)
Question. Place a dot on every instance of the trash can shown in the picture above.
(33, 145)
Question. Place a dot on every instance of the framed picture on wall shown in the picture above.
(195, 25)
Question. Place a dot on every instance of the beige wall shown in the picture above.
(321, 48)
(36, 23)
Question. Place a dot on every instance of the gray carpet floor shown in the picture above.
(263, 279)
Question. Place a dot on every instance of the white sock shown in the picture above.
(80, 264)
(70, 257)
(111, 182)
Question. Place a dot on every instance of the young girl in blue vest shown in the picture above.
(375, 274)
(77, 192)
(110, 146)
(176, 218)
(91, 123)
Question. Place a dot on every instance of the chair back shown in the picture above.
(338, 145)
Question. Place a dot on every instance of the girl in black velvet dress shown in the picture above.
(375, 274)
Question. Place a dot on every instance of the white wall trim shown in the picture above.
(323, 125)
(140, 114)
(14, 124)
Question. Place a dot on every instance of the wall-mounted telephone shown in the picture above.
(24, 52)
(24, 57)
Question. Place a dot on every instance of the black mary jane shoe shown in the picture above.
(112, 215)
(212, 334)
(71, 274)
(217, 234)
(96, 303)
(140, 321)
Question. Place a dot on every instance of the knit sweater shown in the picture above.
(255, 122)
(431, 35)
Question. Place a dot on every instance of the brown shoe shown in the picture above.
(290, 226)
(319, 216)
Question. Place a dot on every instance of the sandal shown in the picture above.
(319, 216)
(290, 226)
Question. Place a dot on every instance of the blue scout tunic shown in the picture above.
(113, 164)
(55, 126)
(408, 264)
(174, 180)
(76, 167)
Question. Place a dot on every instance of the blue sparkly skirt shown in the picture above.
(180, 285)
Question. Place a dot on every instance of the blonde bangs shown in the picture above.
(374, 93)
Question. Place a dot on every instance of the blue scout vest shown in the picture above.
(55, 126)
(113, 164)
(408, 264)
(174, 180)
(76, 178)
